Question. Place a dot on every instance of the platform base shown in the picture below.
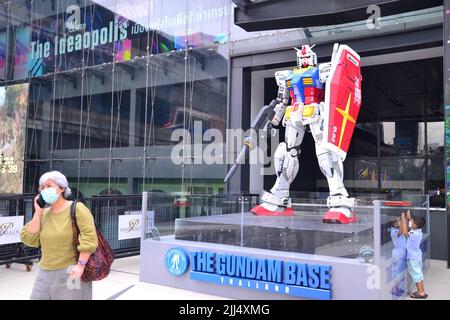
(304, 232)
(344, 272)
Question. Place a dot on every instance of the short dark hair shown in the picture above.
(419, 222)
(392, 224)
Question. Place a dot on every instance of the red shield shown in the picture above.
(342, 100)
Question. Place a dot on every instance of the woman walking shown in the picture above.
(62, 264)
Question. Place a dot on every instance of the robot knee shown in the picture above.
(281, 151)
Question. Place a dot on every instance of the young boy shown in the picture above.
(399, 250)
(414, 254)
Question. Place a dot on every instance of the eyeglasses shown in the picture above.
(47, 185)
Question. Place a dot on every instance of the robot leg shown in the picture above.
(339, 204)
(277, 201)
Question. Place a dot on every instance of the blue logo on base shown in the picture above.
(177, 261)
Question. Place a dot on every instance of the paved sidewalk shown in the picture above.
(123, 284)
(437, 281)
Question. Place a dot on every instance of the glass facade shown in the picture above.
(399, 143)
(110, 82)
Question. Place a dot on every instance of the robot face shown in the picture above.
(306, 57)
(305, 62)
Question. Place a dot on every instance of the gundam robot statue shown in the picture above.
(325, 99)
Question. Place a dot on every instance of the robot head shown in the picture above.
(306, 57)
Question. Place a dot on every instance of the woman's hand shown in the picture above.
(34, 226)
(38, 210)
(77, 271)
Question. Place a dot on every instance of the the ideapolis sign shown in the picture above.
(79, 36)
(274, 276)
(115, 31)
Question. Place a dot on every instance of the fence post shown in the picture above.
(377, 232)
(144, 215)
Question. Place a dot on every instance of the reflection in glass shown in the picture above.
(436, 180)
(403, 174)
(402, 138)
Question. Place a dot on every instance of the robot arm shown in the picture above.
(283, 96)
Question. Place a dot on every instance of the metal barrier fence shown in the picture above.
(17, 205)
(107, 209)
(169, 207)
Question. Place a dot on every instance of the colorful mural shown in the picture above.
(13, 108)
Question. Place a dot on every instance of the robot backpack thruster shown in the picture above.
(325, 99)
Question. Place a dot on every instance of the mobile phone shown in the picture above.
(40, 201)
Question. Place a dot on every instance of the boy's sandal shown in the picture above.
(417, 295)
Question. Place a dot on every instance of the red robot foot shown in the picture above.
(339, 215)
(266, 209)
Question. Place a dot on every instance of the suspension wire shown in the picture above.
(113, 79)
(144, 165)
(33, 139)
(83, 70)
(55, 76)
(61, 105)
(191, 95)
(153, 87)
(184, 107)
(28, 143)
(92, 8)
(119, 102)
(88, 129)
(119, 99)
(87, 135)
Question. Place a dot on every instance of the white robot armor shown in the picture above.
(305, 87)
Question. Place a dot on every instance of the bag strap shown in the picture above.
(73, 210)
(75, 229)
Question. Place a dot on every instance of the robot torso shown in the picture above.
(305, 86)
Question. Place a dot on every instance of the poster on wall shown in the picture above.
(10, 228)
(13, 109)
(129, 226)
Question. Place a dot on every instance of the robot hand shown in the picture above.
(269, 130)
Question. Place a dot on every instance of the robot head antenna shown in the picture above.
(306, 57)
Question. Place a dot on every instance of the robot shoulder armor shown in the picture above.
(324, 71)
(282, 76)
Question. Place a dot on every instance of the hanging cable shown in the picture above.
(55, 76)
(113, 79)
(153, 88)
(61, 106)
(144, 165)
(83, 69)
(119, 104)
(191, 94)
